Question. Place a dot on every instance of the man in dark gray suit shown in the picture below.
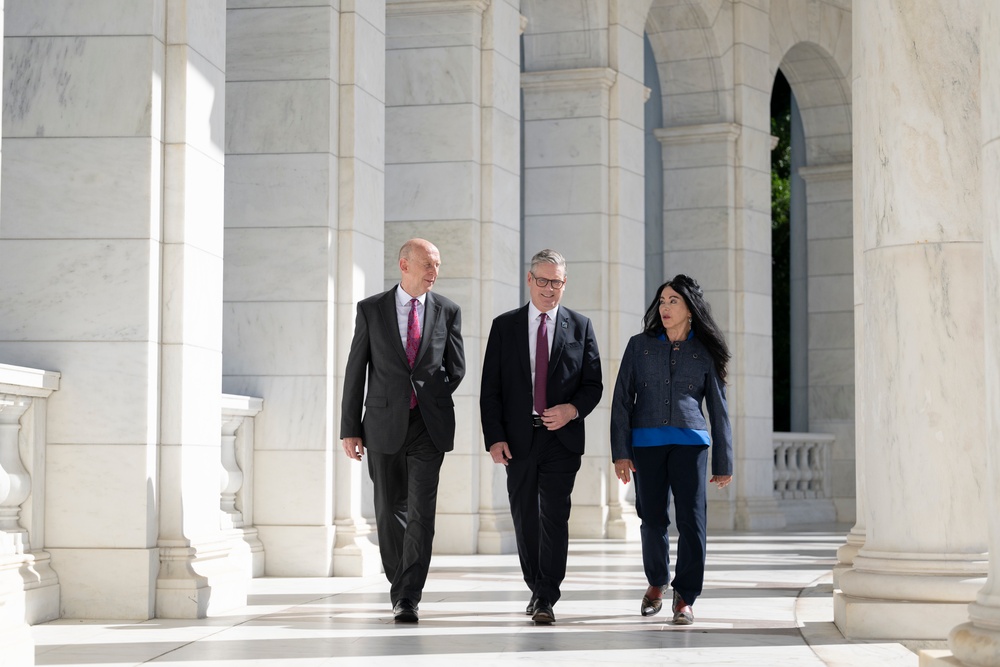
(408, 343)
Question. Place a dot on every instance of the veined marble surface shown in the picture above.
(767, 601)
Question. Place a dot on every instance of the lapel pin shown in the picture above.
(564, 324)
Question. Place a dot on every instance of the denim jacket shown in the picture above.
(659, 385)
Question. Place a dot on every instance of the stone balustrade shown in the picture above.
(802, 476)
(236, 495)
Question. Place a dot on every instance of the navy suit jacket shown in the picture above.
(574, 377)
(377, 352)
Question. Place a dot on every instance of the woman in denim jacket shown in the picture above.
(659, 433)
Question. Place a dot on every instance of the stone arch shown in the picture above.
(688, 38)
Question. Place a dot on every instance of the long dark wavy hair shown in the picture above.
(704, 326)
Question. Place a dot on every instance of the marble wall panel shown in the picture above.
(369, 202)
(462, 27)
(297, 551)
(682, 149)
(81, 188)
(832, 402)
(831, 293)
(202, 26)
(109, 298)
(695, 188)
(364, 64)
(629, 152)
(308, 397)
(58, 18)
(754, 354)
(564, 190)
(502, 88)
(755, 399)
(506, 29)
(557, 102)
(52, 80)
(441, 133)
(831, 330)
(631, 100)
(709, 267)
(706, 107)
(83, 481)
(627, 242)
(274, 190)
(830, 220)
(275, 338)
(296, 262)
(296, 489)
(193, 199)
(831, 367)
(189, 414)
(192, 297)
(195, 102)
(106, 583)
(569, 234)
(587, 290)
(556, 142)
(418, 75)
(502, 148)
(279, 116)
(367, 142)
(696, 228)
(189, 493)
(416, 193)
(831, 257)
(689, 76)
(108, 394)
(281, 43)
(756, 188)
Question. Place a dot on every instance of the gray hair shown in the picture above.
(548, 256)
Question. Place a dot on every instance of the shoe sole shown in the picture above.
(542, 618)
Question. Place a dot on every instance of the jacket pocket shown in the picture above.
(376, 401)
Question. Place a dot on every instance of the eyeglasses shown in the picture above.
(545, 282)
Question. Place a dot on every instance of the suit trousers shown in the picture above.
(681, 470)
(406, 484)
(539, 487)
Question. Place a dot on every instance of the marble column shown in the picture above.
(196, 575)
(831, 347)
(360, 246)
(976, 643)
(917, 157)
(115, 281)
(452, 177)
(304, 182)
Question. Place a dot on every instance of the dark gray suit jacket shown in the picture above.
(377, 353)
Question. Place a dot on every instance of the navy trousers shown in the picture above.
(680, 470)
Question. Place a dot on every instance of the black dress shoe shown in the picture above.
(530, 609)
(405, 611)
(543, 614)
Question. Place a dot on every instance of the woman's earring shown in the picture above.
(689, 320)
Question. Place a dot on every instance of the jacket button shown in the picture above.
(645, 351)
(668, 380)
(673, 362)
(690, 386)
(666, 402)
(664, 421)
(696, 356)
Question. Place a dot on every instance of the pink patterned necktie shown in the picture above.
(412, 343)
(541, 365)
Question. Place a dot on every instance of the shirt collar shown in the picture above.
(403, 299)
(533, 313)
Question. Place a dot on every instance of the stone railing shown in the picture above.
(29, 588)
(238, 413)
(802, 465)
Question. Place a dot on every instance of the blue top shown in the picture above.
(661, 436)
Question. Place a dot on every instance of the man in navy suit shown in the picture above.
(541, 377)
(408, 344)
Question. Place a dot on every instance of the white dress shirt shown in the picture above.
(534, 318)
(403, 312)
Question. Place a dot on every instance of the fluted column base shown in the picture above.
(846, 554)
(588, 521)
(15, 635)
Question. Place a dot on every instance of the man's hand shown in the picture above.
(353, 447)
(558, 416)
(500, 452)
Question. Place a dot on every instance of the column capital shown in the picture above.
(696, 134)
(584, 78)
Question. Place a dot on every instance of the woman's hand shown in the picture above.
(624, 469)
(722, 481)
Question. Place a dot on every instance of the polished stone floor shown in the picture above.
(767, 601)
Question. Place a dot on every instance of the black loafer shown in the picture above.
(405, 611)
(543, 614)
(530, 609)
